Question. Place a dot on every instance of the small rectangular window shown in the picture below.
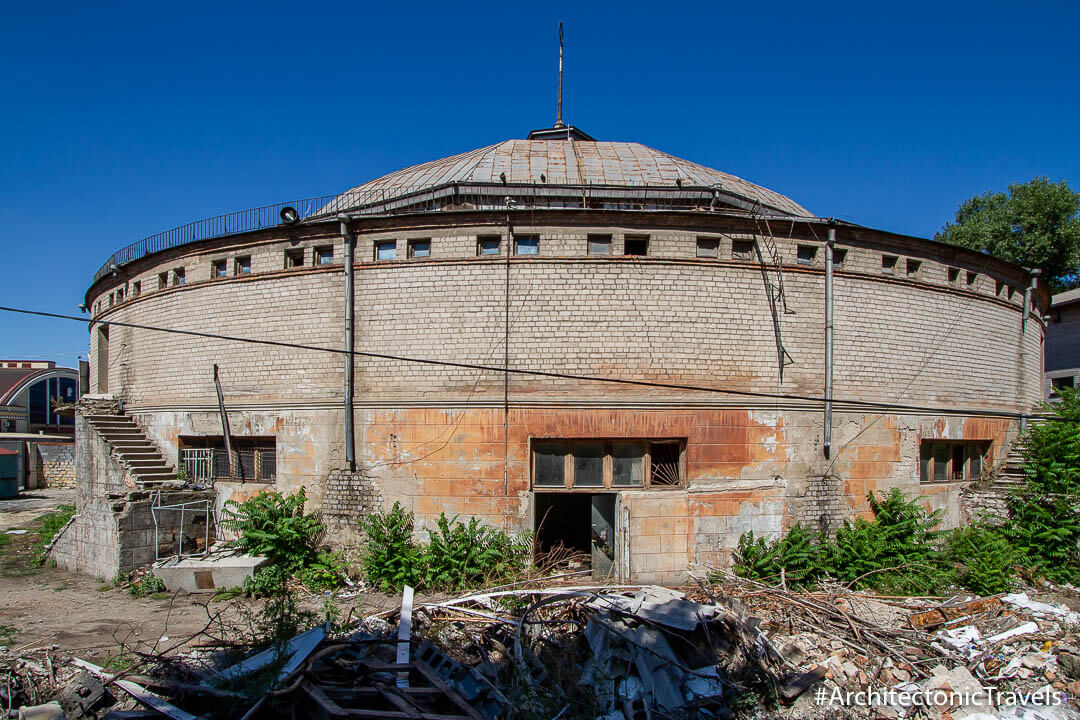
(972, 279)
(119, 294)
(636, 245)
(806, 254)
(742, 249)
(974, 461)
(162, 281)
(243, 265)
(386, 250)
(941, 462)
(136, 288)
(324, 255)
(599, 244)
(178, 276)
(488, 245)
(954, 275)
(888, 264)
(839, 257)
(708, 247)
(218, 269)
(420, 248)
(294, 258)
(913, 268)
(526, 244)
(999, 287)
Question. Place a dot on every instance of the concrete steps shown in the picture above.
(136, 452)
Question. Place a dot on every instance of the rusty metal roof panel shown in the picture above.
(567, 162)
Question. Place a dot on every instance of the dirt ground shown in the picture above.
(42, 607)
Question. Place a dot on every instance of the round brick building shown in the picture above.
(619, 347)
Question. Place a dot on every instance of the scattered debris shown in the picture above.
(610, 652)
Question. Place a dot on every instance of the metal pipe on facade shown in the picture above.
(829, 245)
(350, 449)
(224, 420)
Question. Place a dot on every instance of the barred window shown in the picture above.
(607, 464)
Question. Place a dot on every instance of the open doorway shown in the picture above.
(581, 522)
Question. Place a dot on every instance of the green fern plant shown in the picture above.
(391, 557)
(985, 556)
(275, 526)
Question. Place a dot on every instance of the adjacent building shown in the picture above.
(1063, 342)
(31, 392)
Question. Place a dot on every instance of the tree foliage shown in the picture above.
(1045, 511)
(1035, 224)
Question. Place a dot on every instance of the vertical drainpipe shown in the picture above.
(350, 450)
(829, 244)
(506, 363)
(1035, 272)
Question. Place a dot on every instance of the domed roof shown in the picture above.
(564, 163)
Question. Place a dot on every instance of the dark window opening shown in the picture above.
(563, 522)
(179, 276)
(742, 249)
(162, 281)
(913, 268)
(999, 287)
(839, 257)
(954, 275)
(806, 254)
(636, 245)
(1061, 382)
(324, 255)
(243, 265)
(136, 289)
(294, 258)
(888, 264)
(708, 247)
(218, 269)
(972, 278)
(599, 244)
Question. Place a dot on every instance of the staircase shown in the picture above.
(1010, 474)
(129, 443)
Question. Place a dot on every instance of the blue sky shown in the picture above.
(120, 121)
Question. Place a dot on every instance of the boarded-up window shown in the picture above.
(742, 249)
(599, 244)
(708, 247)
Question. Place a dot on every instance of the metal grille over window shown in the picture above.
(253, 460)
(665, 465)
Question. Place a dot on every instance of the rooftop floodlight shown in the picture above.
(289, 216)
(543, 178)
(82, 307)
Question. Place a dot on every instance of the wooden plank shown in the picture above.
(435, 679)
(141, 694)
(328, 706)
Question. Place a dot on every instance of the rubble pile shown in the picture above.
(710, 652)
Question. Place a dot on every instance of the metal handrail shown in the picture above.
(424, 198)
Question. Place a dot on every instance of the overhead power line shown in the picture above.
(863, 404)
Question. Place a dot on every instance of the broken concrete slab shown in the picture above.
(198, 575)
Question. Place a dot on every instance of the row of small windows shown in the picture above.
(529, 245)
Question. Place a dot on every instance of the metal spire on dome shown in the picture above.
(558, 113)
(560, 130)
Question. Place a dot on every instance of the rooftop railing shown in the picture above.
(450, 196)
